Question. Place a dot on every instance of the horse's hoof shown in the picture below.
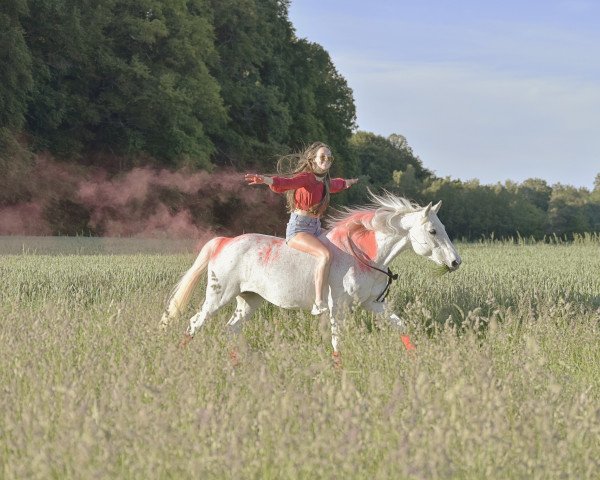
(187, 338)
(337, 359)
(407, 344)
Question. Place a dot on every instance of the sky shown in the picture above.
(490, 89)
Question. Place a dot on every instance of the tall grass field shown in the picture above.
(504, 382)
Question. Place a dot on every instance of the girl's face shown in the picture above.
(323, 160)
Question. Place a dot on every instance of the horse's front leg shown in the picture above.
(399, 324)
(381, 310)
(335, 315)
(335, 341)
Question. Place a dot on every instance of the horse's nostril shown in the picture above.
(455, 263)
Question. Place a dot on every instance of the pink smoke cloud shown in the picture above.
(24, 219)
(143, 202)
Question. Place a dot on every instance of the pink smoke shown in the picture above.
(23, 219)
(143, 202)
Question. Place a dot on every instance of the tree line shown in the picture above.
(472, 211)
(209, 84)
(186, 82)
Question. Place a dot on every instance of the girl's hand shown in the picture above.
(351, 181)
(254, 179)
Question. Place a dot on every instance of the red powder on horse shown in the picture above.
(271, 251)
(222, 242)
(366, 242)
(363, 239)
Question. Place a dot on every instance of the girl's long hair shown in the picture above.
(294, 163)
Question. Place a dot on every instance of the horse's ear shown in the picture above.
(426, 210)
(436, 208)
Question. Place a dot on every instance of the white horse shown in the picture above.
(252, 268)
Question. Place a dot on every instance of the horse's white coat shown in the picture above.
(252, 268)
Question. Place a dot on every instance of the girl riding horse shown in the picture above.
(307, 191)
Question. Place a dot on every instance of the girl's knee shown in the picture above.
(325, 256)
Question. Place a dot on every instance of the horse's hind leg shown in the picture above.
(247, 303)
(209, 308)
(198, 320)
(212, 304)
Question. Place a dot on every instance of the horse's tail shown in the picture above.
(180, 296)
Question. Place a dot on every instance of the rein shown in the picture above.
(391, 276)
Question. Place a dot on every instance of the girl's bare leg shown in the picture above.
(307, 243)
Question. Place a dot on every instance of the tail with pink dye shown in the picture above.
(180, 296)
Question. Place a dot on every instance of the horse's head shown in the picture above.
(400, 221)
(428, 237)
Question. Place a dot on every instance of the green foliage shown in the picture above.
(249, 39)
(536, 191)
(407, 182)
(330, 114)
(471, 210)
(281, 92)
(15, 66)
(565, 211)
(15, 85)
(128, 77)
(185, 82)
(379, 158)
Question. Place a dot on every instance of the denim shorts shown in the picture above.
(302, 223)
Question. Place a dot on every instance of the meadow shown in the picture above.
(504, 382)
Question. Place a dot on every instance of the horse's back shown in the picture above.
(229, 248)
(264, 264)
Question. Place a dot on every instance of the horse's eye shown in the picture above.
(432, 231)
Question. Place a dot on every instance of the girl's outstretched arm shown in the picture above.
(339, 184)
(281, 184)
(256, 179)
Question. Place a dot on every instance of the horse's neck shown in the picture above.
(392, 245)
(378, 247)
(389, 247)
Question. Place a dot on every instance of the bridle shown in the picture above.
(391, 276)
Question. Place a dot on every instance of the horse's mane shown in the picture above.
(378, 215)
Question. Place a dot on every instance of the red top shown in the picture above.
(309, 190)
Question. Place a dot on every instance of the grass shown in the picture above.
(505, 382)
